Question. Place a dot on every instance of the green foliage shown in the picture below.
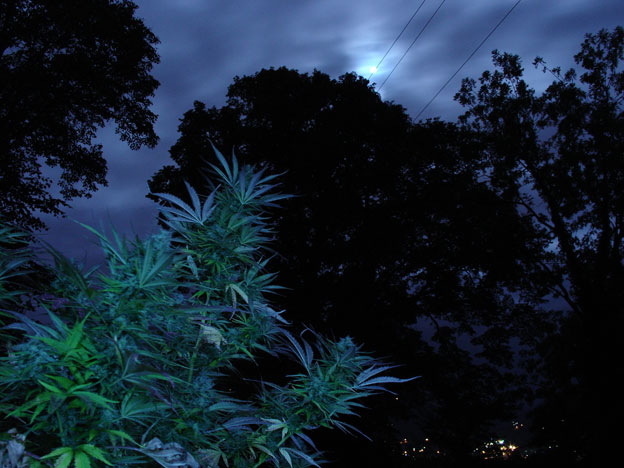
(130, 370)
(11, 261)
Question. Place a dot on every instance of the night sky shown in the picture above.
(204, 44)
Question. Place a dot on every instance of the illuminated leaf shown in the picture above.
(212, 335)
(94, 452)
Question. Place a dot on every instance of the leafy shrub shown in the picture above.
(132, 370)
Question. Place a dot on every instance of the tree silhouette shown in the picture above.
(558, 159)
(66, 68)
(391, 226)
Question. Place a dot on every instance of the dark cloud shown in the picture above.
(205, 44)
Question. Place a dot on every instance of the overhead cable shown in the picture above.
(468, 59)
(413, 42)
(397, 38)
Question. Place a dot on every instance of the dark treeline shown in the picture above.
(484, 255)
(66, 68)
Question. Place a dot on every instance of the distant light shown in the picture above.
(373, 69)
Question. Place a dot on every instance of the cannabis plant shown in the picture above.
(132, 367)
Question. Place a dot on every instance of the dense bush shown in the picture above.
(134, 370)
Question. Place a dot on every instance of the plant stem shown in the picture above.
(190, 374)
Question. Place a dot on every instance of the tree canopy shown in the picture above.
(66, 69)
(558, 158)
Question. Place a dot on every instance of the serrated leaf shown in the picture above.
(264, 449)
(286, 455)
(304, 456)
(240, 292)
(74, 336)
(64, 381)
(58, 451)
(64, 460)
(208, 207)
(194, 198)
(107, 244)
(306, 439)
(173, 199)
(81, 460)
(122, 435)
(304, 356)
(39, 408)
(146, 260)
(95, 398)
(228, 406)
(160, 263)
(275, 427)
(51, 387)
(382, 380)
(371, 371)
(347, 428)
(230, 177)
(241, 422)
(133, 406)
(95, 452)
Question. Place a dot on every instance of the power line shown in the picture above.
(413, 42)
(468, 59)
(397, 38)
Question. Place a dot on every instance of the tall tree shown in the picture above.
(558, 158)
(66, 69)
(383, 232)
